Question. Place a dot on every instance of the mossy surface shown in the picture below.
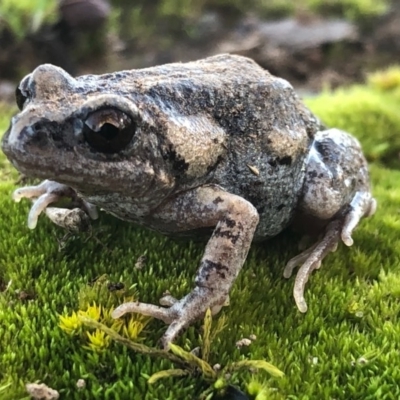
(344, 347)
(371, 115)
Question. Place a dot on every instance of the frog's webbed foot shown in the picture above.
(46, 193)
(235, 221)
(363, 205)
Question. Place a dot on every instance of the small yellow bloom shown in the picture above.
(93, 312)
(70, 323)
(98, 341)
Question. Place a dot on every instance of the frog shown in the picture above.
(216, 148)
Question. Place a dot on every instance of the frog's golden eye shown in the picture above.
(108, 130)
(20, 98)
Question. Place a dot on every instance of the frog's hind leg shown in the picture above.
(336, 190)
(234, 220)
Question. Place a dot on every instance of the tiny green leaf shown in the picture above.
(258, 364)
(4, 387)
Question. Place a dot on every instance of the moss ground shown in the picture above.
(345, 347)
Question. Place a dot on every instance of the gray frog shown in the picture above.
(216, 145)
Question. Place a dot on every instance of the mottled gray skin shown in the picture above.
(218, 144)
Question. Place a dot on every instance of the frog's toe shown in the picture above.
(150, 310)
(39, 205)
(179, 314)
(172, 316)
(45, 187)
(310, 260)
(362, 205)
(46, 193)
(173, 331)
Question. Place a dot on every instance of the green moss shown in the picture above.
(7, 171)
(371, 115)
(386, 80)
(356, 10)
(23, 17)
(345, 346)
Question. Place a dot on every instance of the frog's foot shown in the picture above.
(363, 205)
(48, 192)
(310, 260)
(336, 191)
(179, 314)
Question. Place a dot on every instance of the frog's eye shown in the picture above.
(108, 130)
(20, 98)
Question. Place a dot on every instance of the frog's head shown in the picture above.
(86, 134)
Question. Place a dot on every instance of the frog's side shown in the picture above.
(218, 144)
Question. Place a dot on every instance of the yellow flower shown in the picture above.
(98, 341)
(70, 323)
(92, 312)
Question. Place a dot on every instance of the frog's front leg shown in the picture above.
(235, 221)
(336, 190)
(46, 193)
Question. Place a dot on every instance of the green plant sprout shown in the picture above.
(189, 363)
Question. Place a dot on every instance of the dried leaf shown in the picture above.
(205, 351)
(219, 326)
(194, 361)
(167, 373)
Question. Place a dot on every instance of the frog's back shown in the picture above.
(267, 130)
(270, 133)
(228, 122)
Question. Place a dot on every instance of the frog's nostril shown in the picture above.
(34, 135)
(37, 127)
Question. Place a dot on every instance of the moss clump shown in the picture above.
(218, 379)
(370, 114)
(346, 346)
(97, 300)
(387, 80)
(7, 171)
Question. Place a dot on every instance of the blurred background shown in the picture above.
(315, 44)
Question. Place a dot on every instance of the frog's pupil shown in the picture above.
(109, 131)
(108, 137)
